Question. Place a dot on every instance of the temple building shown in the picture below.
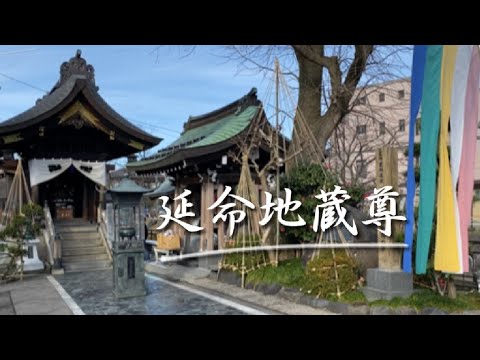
(66, 139)
(206, 158)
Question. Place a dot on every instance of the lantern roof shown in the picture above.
(129, 186)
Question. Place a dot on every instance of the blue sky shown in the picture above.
(154, 92)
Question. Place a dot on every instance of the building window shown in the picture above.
(401, 125)
(401, 94)
(418, 125)
(361, 129)
(362, 168)
(382, 128)
(381, 97)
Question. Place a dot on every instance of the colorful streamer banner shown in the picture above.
(418, 69)
(445, 82)
(469, 149)
(447, 257)
(430, 126)
(457, 118)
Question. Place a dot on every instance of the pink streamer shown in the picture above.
(467, 162)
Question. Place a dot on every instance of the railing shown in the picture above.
(52, 241)
(103, 231)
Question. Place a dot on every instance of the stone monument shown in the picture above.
(128, 239)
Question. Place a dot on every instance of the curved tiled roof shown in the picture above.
(75, 76)
(47, 103)
(201, 140)
(166, 187)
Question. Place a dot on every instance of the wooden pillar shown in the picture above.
(220, 223)
(209, 192)
(85, 200)
(179, 230)
(387, 175)
(202, 217)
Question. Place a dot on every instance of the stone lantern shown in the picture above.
(127, 239)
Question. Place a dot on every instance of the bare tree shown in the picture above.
(328, 77)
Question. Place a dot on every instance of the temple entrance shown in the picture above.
(70, 195)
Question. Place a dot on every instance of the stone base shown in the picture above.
(58, 271)
(31, 262)
(32, 265)
(124, 295)
(209, 262)
(383, 284)
(128, 273)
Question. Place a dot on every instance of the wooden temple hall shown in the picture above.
(208, 156)
(65, 140)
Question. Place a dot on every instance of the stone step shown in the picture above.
(72, 221)
(73, 259)
(86, 250)
(75, 228)
(70, 244)
(87, 266)
(82, 246)
(78, 236)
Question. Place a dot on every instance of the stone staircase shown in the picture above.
(82, 247)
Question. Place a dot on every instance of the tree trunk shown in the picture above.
(311, 135)
(309, 109)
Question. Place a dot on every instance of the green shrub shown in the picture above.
(33, 211)
(306, 182)
(320, 279)
(289, 273)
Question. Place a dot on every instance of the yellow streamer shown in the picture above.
(446, 246)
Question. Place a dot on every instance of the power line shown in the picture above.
(24, 83)
(157, 127)
(13, 52)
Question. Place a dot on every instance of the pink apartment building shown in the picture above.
(380, 117)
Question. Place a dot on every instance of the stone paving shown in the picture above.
(92, 291)
(198, 277)
(6, 306)
(34, 295)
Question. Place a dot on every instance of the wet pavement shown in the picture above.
(92, 291)
(35, 295)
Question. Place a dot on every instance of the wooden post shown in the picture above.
(85, 200)
(203, 210)
(220, 223)
(179, 230)
(209, 191)
(387, 175)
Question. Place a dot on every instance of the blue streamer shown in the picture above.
(418, 70)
